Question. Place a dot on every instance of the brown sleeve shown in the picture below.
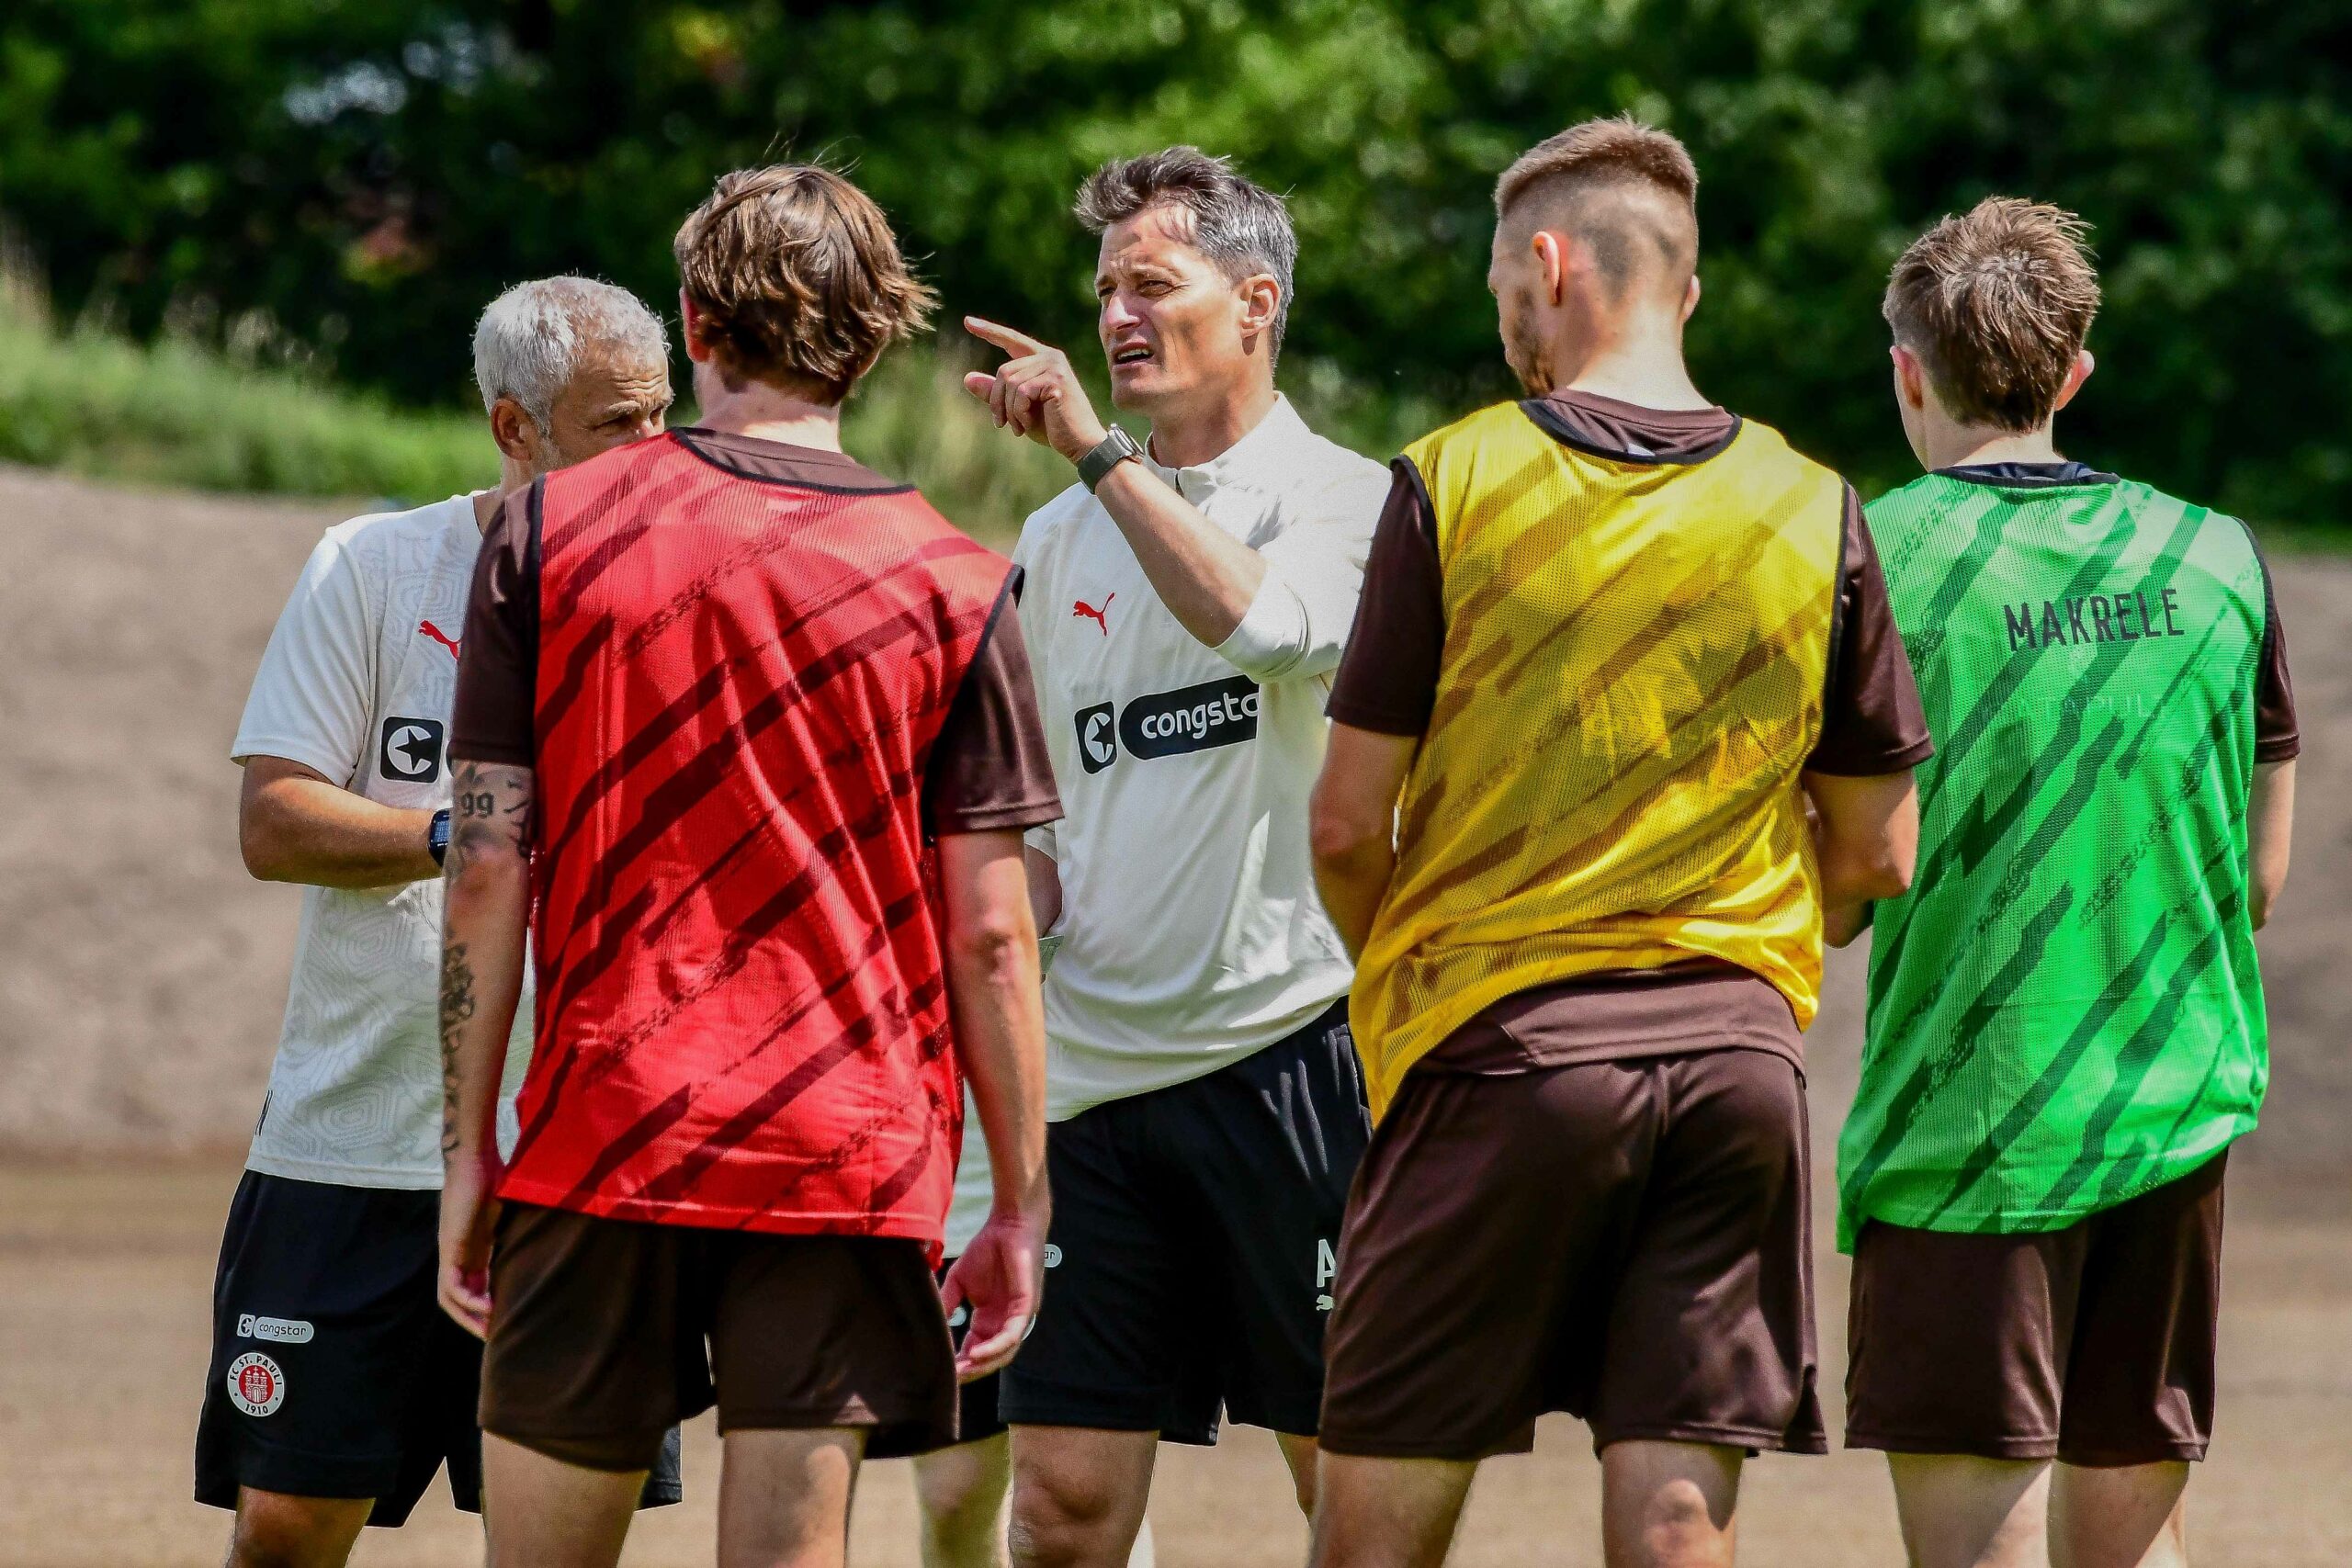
(2278, 738)
(1387, 679)
(1871, 722)
(498, 659)
(989, 770)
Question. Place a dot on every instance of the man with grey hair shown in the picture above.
(568, 367)
(338, 1387)
(1186, 603)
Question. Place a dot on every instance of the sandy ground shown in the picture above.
(105, 1276)
(141, 976)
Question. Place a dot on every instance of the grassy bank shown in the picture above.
(173, 413)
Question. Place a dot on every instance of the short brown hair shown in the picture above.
(1996, 304)
(797, 276)
(1238, 223)
(1611, 155)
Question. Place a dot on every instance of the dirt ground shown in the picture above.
(142, 974)
(105, 1275)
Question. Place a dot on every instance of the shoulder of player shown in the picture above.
(1039, 529)
(372, 532)
(1318, 480)
(369, 547)
(1917, 506)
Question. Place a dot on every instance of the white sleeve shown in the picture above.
(1296, 626)
(1042, 839)
(311, 697)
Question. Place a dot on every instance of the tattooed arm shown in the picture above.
(488, 880)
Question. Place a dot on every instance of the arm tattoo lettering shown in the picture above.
(489, 820)
(489, 812)
(456, 1010)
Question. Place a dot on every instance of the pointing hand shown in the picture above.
(1034, 394)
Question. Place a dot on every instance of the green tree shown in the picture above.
(363, 176)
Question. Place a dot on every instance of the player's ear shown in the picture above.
(514, 430)
(1261, 300)
(1910, 378)
(1690, 297)
(2076, 374)
(691, 326)
(1551, 264)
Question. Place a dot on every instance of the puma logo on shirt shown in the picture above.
(1098, 616)
(437, 635)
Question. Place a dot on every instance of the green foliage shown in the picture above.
(175, 412)
(367, 174)
(914, 421)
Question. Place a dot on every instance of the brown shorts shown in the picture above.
(2092, 1345)
(598, 1329)
(1628, 1241)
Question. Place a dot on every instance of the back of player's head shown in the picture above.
(1236, 223)
(798, 278)
(533, 339)
(1995, 303)
(1628, 190)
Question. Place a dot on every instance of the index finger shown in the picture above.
(1005, 338)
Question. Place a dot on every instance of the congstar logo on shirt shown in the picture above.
(1169, 724)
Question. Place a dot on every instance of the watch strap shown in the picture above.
(436, 838)
(1107, 454)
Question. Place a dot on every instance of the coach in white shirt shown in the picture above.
(338, 1388)
(1184, 607)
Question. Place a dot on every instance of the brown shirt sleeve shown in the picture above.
(1871, 722)
(1387, 679)
(989, 770)
(2278, 738)
(498, 659)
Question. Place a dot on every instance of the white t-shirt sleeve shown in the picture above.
(1025, 551)
(311, 697)
(1296, 626)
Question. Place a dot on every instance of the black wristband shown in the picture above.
(436, 838)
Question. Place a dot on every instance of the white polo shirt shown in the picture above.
(357, 684)
(1191, 930)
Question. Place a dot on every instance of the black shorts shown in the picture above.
(976, 1416)
(1193, 1247)
(334, 1371)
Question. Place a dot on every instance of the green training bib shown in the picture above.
(2064, 1009)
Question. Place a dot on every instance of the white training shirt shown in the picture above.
(357, 683)
(1191, 933)
(974, 1185)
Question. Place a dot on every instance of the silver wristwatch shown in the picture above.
(1107, 454)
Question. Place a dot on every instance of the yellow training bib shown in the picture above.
(1635, 656)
